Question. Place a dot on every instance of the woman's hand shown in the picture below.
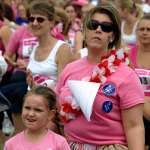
(10, 61)
(29, 78)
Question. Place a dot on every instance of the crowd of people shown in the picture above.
(74, 74)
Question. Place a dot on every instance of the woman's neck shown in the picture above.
(143, 56)
(144, 48)
(131, 20)
(94, 56)
(45, 40)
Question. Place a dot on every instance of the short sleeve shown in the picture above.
(130, 91)
(5, 148)
(13, 43)
(61, 81)
(65, 146)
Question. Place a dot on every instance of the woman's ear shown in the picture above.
(51, 24)
(111, 38)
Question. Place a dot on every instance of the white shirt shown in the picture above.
(128, 38)
(47, 67)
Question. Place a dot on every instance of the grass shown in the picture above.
(1, 145)
(2, 140)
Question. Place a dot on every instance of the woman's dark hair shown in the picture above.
(61, 16)
(113, 14)
(76, 8)
(1, 11)
(43, 8)
(8, 12)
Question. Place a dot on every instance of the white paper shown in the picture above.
(84, 94)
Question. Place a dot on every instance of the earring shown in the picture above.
(111, 40)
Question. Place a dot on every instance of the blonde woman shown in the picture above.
(130, 14)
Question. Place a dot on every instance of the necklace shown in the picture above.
(109, 64)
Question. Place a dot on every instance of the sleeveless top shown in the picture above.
(143, 73)
(129, 39)
(46, 69)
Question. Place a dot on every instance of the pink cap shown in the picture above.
(80, 2)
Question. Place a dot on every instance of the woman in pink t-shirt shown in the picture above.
(106, 114)
(39, 107)
(75, 22)
(139, 56)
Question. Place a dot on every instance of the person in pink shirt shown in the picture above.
(75, 22)
(115, 121)
(21, 44)
(139, 56)
(39, 108)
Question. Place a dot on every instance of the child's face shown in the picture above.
(35, 113)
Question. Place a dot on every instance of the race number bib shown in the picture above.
(144, 76)
(28, 45)
(44, 81)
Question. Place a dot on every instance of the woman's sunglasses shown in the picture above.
(105, 26)
(38, 19)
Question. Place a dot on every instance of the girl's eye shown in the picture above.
(26, 107)
(38, 110)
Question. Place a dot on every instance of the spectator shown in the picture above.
(114, 120)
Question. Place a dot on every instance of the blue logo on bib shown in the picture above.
(107, 106)
(109, 89)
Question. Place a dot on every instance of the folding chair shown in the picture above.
(4, 102)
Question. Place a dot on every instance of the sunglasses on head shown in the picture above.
(105, 26)
(38, 19)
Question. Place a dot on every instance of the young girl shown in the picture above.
(38, 109)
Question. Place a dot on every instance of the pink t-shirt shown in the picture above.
(75, 27)
(51, 141)
(105, 126)
(143, 73)
(22, 42)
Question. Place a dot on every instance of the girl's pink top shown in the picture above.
(51, 141)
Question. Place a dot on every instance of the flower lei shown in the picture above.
(109, 64)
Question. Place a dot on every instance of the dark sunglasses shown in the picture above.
(105, 26)
(38, 19)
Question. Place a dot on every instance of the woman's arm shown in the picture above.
(12, 47)
(10, 58)
(134, 128)
(147, 108)
(78, 41)
(63, 57)
(5, 33)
